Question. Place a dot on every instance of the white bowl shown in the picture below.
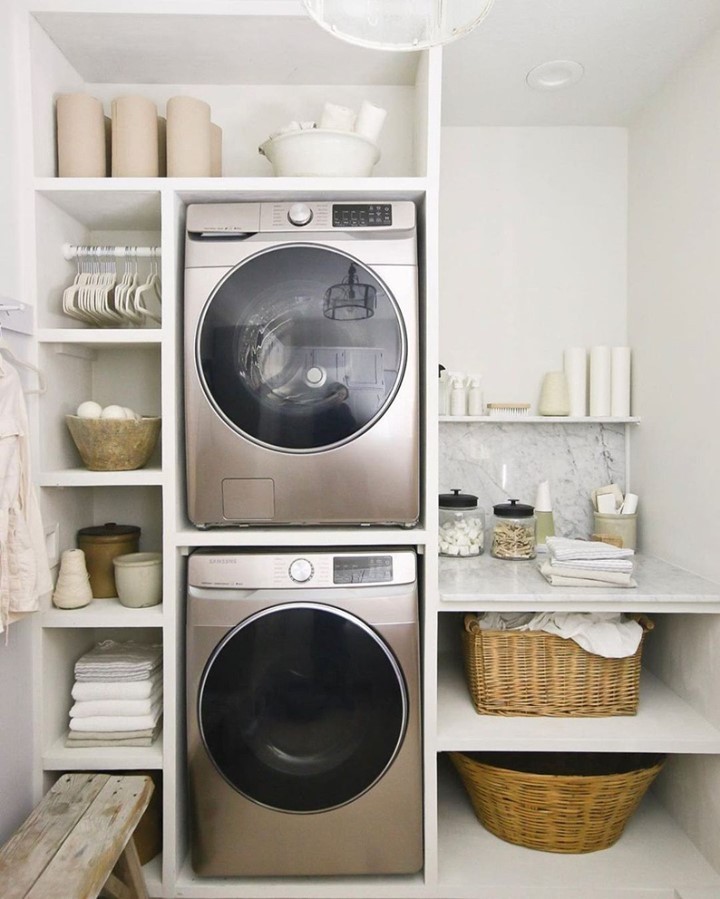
(138, 578)
(321, 153)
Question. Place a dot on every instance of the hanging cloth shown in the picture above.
(24, 570)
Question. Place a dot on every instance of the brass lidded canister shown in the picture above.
(101, 543)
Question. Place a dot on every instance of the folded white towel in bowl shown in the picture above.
(119, 689)
(88, 708)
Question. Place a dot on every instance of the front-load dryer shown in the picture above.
(301, 363)
(303, 713)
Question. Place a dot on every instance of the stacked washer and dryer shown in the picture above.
(301, 408)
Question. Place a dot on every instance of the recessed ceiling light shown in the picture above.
(550, 76)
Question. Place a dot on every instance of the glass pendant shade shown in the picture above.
(351, 300)
(398, 24)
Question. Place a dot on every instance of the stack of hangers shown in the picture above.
(582, 563)
(118, 696)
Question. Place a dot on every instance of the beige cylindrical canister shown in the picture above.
(81, 142)
(216, 137)
(101, 543)
(189, 140)
(624, 527)
(134, 138)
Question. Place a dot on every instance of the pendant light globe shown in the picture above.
(398, 24)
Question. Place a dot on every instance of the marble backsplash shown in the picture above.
(497, 461)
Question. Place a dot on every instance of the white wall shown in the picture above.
(674, 327)
(532, 250)
(16, 700)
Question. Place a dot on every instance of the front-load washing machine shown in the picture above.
(301, 363)
(303, 712)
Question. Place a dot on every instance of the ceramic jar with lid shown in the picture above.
(101, 543)
(513, 535)
(462, 525)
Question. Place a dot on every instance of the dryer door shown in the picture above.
(302, 707)
(301, 348)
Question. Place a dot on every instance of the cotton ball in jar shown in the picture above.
(113, 412)
(463, 536)
(130, 414)
(89, 409)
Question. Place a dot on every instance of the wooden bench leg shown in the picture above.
(127, 880)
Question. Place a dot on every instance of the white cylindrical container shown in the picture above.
(134, 138)
(575, 366)
(370, 121)
(600, 380)
(458, 398)
(81, 142)
(189, 138)
(138, 577)
(620, 380)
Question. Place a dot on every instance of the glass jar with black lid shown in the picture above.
(513, 534)
(462, 525)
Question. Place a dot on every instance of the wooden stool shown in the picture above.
(79, 841)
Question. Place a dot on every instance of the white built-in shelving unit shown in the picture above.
(260, 63)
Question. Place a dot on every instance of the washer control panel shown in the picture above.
(300, 568)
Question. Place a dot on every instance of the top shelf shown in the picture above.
(542, 419)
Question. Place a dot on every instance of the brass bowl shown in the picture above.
(111, 444)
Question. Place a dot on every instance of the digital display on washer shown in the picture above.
(362, 569)
(361, 215)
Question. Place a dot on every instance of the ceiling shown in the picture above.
(629, 48)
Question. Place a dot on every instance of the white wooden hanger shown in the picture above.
(6, 351)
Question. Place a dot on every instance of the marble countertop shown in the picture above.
(489, 583)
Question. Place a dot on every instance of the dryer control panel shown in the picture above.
(300, 568)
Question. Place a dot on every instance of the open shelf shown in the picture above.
(542, 419)
(652, 858)
(81, 477)
(301, 536)
(664, 723)
(104, 613)
(89, 337)
(59, 757)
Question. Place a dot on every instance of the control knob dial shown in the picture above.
(300, 214)
(301, 570)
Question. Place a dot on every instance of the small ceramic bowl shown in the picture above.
(138, 578)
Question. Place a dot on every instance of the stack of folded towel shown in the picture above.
(580, 563)
(118, 696)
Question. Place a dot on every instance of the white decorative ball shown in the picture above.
(89, 409)
(129, 414)
(113, 412)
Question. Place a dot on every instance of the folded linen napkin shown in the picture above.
(91, 740)
(111, 660)
(625, 565)
(88, 708)
(564, 580)
(621, 578)
(565, 549)
(119, 689)
(118, 722)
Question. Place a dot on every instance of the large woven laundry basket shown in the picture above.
(533, 673)
(556, 802)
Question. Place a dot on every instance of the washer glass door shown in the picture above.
(302, 707)
(301, 348)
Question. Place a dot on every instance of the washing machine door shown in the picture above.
(301, 348)
(302, 707)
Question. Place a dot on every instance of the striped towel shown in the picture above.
(119, 689)
(624, 566)
(565, 549)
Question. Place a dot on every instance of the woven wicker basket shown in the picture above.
(534, 673)
(556, 802)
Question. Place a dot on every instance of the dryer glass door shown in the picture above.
(302, 707)
(301, 348)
